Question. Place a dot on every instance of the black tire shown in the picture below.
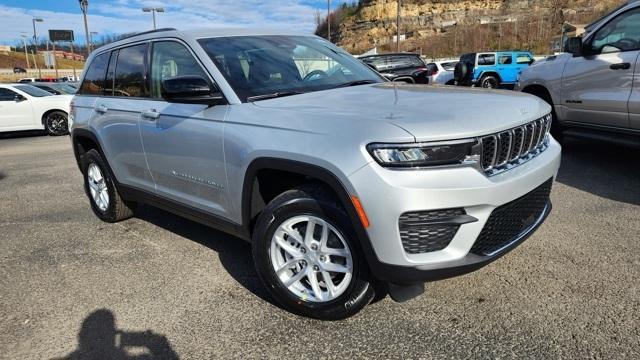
(489, 82)
(118, 209)
(315, 201)
(56, 123)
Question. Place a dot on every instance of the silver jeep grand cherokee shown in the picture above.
(345, 184)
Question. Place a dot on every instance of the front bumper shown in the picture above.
(386, 194)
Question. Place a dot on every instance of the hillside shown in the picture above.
(12, 59)
(442, 28)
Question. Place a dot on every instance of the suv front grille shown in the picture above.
(512, 147)
(510, 221)
(427, 231)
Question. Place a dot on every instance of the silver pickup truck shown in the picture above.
(594, 87)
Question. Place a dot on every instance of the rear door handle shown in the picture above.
(101, 109)
(620, 66)
(150, 114)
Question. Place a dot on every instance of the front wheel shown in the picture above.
(56, 123)
(305, 252)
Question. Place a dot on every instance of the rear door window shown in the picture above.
(93, 82)
(449, 66)
(130, 72)
(505, 59)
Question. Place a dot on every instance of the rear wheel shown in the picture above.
(489, 82)
(306, 254)
(56, 123)
(99, 185)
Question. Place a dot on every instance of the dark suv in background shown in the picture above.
(406, 67)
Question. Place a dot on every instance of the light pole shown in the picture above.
(26, 55)
(84, 6)
(93, 43)
(398, 27)
(329, 20)
(153, 11)
(35, 44)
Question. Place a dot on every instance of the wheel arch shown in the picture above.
(46, 113)
(309, 172)
(540, 91)
(490, 73)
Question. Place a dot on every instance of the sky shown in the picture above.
(124, 16)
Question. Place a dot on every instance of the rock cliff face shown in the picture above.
(374, 22)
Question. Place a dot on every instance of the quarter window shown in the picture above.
(7, 95)
(486, 59)
(620, 34)
(170, 59)
(93, 82)
(130, 72)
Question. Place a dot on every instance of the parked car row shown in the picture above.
(411, 68)
(26, 107)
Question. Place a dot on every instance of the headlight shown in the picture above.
(426, 154)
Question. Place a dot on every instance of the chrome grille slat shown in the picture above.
(506, 149)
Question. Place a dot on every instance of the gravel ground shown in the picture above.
(159, 285)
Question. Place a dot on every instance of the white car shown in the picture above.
(25, 107)
(27, 80)
(441, 72)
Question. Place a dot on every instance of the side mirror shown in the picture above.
(574, 46)
(190, 89)
(19, 98)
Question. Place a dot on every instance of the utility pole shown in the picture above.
(26, 55)
(84, 6)
(35, 44)
(153, 11)
(398, 27)
(329, 20)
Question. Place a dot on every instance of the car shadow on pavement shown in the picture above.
(22, 134)
(99, 338)
(602, 169)
(234, 253)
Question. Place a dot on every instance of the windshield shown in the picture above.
(64, 88)
(257, 66)
(32, 90)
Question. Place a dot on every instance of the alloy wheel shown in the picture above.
(98, 187)
(311, 258)
(57, 123)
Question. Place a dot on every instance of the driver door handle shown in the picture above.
(620, 66)
(150, 114)
(101, 109)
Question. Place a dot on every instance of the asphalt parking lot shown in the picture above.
(164, 286)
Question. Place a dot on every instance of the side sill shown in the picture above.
(189, 212)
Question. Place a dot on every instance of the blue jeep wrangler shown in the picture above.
(491, 69)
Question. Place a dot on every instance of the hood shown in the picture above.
(429, 113)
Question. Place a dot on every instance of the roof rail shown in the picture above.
(148, 32)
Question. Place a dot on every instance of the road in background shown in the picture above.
(160, 284)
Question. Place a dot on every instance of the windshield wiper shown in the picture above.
(357, 82)
(273, 95)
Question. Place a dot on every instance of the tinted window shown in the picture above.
(32, 90)
(7, 95)
(449, 66)
(505, 59)
(170, 59)
(129, 78)
(621, 34)
(486, 59)
(93, 82)
(404, 61)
